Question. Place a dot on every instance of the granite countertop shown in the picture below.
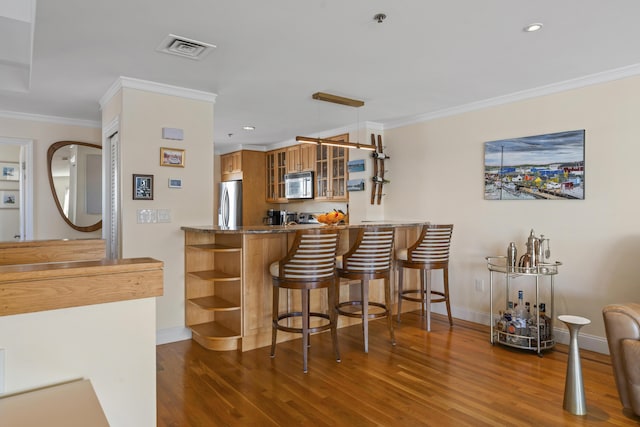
(268, 229)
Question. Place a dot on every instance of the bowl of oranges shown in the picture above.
(331, 218)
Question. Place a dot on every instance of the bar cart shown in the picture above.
(543, 272)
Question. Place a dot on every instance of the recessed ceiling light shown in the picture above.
(532, 27)
(249, 127)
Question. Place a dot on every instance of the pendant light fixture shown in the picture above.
(321, 96)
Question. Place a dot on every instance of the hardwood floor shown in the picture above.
(448, 377)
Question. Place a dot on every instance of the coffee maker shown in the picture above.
(275, 217)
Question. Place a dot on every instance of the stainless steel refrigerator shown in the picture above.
(230, 206)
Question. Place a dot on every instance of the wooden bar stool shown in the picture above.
(368, 259)
(310, 264)
(429, 252)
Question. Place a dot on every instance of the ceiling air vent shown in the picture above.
(187, 48)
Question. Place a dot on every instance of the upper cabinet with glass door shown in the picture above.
(276, 169)
(331, 171)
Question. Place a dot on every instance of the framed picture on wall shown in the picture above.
(175, 182)
(171, 157)
(540, 167)
(9, 171)
(142, 187)
(9, 199)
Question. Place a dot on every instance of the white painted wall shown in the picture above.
(48, 224)
(437, 174)
(142, 115)
(112, 344)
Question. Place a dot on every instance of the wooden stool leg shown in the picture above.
(387, 303)
(400, 271)
(274, 316)
(427, 297)
(305, 328)
(364, 293)
(423, 306)
(445, 273)
(309, 316)
(333, 317)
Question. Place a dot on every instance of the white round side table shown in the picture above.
(574, 399)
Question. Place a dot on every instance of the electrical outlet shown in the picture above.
(2, 371)
(479, 285)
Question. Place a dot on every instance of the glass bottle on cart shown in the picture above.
(519, 325)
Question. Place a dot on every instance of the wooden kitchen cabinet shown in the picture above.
(248, 166)
(213, 289)
(276, 168)
(331, 171)
(231, 166)
(301, 157)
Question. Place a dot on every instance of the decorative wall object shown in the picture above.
(355, 165)
(549, 166)
(171, 157)
(9, 199)
(142, 187)
(9, 171)
(355, 185)
(173, 133)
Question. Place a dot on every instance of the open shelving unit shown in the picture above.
(213, 289)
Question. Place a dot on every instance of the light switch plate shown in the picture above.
(164, 215)
(147, 216)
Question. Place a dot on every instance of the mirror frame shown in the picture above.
(50, 152)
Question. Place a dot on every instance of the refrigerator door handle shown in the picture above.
(225, 208)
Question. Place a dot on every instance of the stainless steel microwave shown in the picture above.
(298, 185)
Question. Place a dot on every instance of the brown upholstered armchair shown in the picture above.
(622, 325)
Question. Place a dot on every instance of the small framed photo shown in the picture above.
(355, 185)
(175, 182)
(142, 187)
(355, 166)
(9, 171)
(171, 157)
(9, 199)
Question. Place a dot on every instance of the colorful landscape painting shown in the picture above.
(549, 167)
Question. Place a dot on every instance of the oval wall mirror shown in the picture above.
(75, 177)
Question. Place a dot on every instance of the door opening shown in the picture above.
(16, 189)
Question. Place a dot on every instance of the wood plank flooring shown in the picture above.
(448, 377)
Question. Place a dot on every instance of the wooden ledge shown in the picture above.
(42, 251)
(28, 288)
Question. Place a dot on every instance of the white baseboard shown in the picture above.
(585, 341)
(166, 336)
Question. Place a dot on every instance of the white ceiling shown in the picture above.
(271, 56)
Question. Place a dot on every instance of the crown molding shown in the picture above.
(161, 88)
(226, 149)
(50, 119)
(592, 79)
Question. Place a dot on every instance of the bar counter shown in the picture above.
(228, 287)
(267, 229)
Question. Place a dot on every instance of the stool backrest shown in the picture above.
(371, 251)
(312, 255)
(433, 245)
